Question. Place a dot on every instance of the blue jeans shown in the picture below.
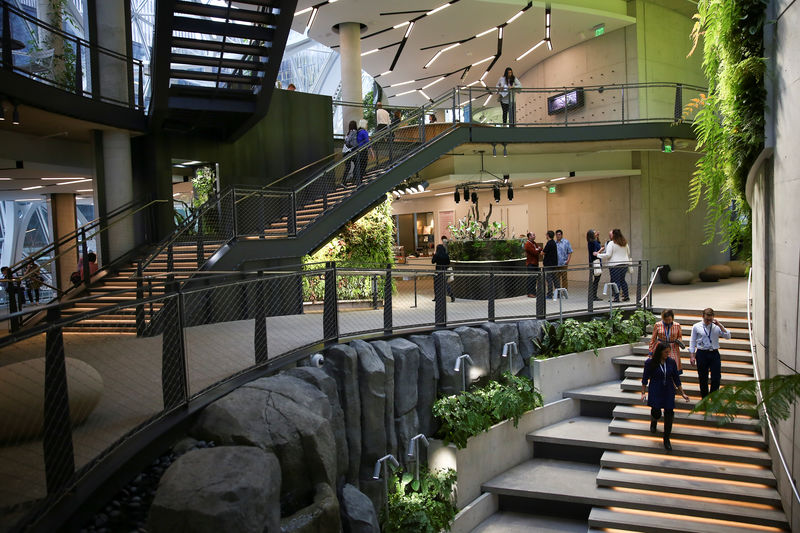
(618, 276)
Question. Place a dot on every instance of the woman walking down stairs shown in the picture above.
(605, 470)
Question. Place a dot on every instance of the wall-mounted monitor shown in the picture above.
(571, 99)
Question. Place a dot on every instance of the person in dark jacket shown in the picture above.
(593, 244)
(363, 139)
(550, 263)
(662, 374)
(442, 260)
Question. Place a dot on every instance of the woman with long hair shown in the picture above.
(593, 244)
(350, 144)
(662, 374)
(617, 253)
(363, 139)
(506, 84)
(668, 332)
(442, 261)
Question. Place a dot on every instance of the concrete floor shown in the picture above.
(131, 366)
(509, 522)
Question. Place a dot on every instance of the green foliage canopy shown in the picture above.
(426, 506)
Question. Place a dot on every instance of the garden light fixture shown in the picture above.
(458, 368)
(509, 349)
(413, 451)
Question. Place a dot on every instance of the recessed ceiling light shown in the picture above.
(27, 199)
(532, 184)
(62, 178)
(84, 190)
(32, 188)
(558, 179)
(73, 182)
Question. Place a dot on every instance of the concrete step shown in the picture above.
(732, 437)
(588, 432)
(696, 314)
(101, 329)
(682, 416)
(736, 332)
(725, 354)
(665, 522)
(692, 389)
(691, 376)
(728, 366)
(516, 522)
(688, 466)
(724, 344)
(575, 482)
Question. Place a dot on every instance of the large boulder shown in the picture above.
(448, 350)
(723, 271)
(476, 343)
(236, 419)
(322, 381)
(321, 516)
(738, 268)
(528, 330)
(358, 513)
(680, 277)
(341, 363)
(226, 488)
(371, 384)
(499, 335)
(407, 428)
(406, 375)
(428, 382)
(384, 351)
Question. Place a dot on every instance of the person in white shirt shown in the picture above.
(506, 83)
(617, 252)
(704, 350)
(381, 117)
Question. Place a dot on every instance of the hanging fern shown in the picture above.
(778, 395)
(730, 120)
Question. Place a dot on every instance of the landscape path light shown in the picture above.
(413, 451)
(463, 371)
(561, 294)
(376, 474)
(610, 293)
(509, 349)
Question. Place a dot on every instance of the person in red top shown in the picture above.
(668, 332)
(532, 251)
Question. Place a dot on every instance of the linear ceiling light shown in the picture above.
(425, 95)
(532, 184)
(303, 11)
(487, 32)
(401, 83)
(385, 73)
(437, 80)
(434, 58)
(407, 92)
(33, 187)
(431, 12)
(534, 47)
(408, 31)
(515, 17)
(311, 19)
(396, 26)
(370, 52)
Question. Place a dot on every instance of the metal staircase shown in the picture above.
(216, 63)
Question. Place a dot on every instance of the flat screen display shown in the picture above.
(568, 100)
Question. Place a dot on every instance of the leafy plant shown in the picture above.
(474, 411)
(426, 506)
(779, 393)
(730, 122)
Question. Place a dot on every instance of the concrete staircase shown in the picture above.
(606, 468)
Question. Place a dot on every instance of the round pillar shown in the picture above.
(350, 51)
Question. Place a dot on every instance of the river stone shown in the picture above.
(341, 363)
(358, 513)
(723, 271)
(322, 516)
(499, 335)
(738, 268)
(428, 383)
(384, 351)
(325, 383)
(236, 419)
(226, 488)
(407, 428)
(476, 343)
(371, 383)
(406, 375)
(448, 350)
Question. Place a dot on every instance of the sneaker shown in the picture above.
(653, 423)
(667, 444)
(452, 298)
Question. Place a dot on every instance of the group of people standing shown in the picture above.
(662, 370)
(358, 135)
(29, 284)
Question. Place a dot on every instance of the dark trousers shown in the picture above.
(552, 279)
(361, 166)
(618, 276)
(669, 416)
(595, 285)
(31, 292)
(533, 271)
(508, 113)
(708, 360)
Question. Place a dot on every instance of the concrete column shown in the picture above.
(113, 161)
(350, 51)
(63, 220)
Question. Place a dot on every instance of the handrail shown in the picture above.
(759, 394)
(650, 287)
(321, 159)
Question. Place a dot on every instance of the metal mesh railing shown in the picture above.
(75, 388)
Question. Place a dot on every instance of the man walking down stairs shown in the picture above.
(605, 470)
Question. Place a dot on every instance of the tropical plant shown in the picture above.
(203, 184)
(368, 104)
(62, 68)
(730, 122)
(474, 411)
(778, 394)
(426, 505)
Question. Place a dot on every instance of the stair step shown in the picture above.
(729, 367)
(726, 354)
(205, 10)
(666, 522)
(686, 329)
(737, 345)
(574, 482)
(180, 74)
(688, 466)
(591, 432)
(690, 316)
(691, 377)
(693, 433)
(219, 46)
(685, 417)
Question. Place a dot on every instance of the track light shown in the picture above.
(15, 116)
(474, 197)
(466, 193)
(409, 191)
(456, 196)
(510, 193)
(505, 150)
(424, 185)
(496, 192)
(396, 194)
(494, 150)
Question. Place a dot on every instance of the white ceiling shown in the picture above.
(572, 21)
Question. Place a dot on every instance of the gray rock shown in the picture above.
(325, 383)
(297, 390)
(375, 491)
(341, 363)
(184, 445)
(448, 350)
(528, 330)
(407, 428)
(384, 351)
(428, 383)
(476, 343)
(322, 516)
(236, 419)
(227, 488)
(358, 513)
(499, 334)
(371, 383)
(406, 375)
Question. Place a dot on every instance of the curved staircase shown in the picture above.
(606, 470)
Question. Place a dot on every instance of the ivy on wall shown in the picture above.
(730, 121)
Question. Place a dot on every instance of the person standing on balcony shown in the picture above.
(593, 244)
(382, 117)
(363, 139)
(350, 144)
(704, 350)
(564, 255)
(532, 251)
(33, 281)
(662, 374)
(617, 254)
(442, 261)
(550, 261)
(506, 84)
(668, 332)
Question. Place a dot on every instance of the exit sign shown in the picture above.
(599, 30)
(552, 189)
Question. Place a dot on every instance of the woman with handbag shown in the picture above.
(669, 333)
(618, 258)
(593, 243)
(350, 143)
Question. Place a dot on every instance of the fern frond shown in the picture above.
(779, 393)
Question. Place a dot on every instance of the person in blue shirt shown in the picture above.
(704, 350)
(362, 138)
(564, 249)
(662, 374)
